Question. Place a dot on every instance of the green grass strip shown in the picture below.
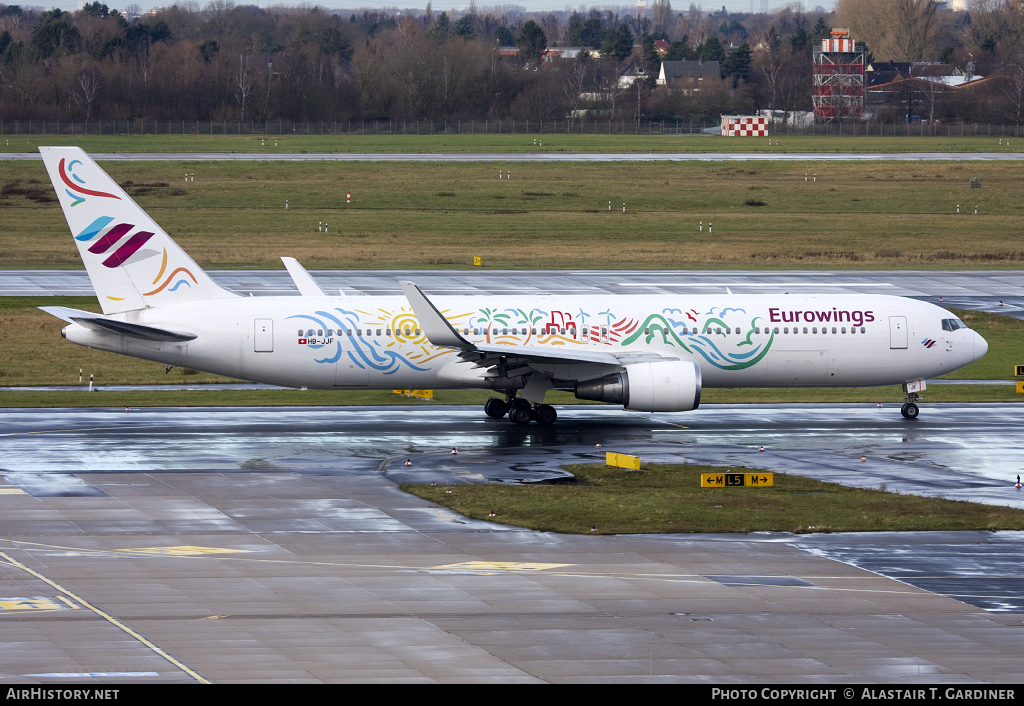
(668, 498)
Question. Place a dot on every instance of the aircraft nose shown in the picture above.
(980, 346)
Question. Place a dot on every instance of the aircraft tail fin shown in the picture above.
(132, 263)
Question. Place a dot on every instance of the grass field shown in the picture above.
(550, 216)
(523, 143)
(668, 498)
(33, 353)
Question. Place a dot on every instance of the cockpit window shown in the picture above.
(953, 324)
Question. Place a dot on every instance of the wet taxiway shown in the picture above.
(1000, 291)
(537, 157)
(274, 544)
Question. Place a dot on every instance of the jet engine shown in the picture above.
(663, 386)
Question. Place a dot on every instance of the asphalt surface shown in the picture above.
(275, 545)
(998, 291)
(535, 157)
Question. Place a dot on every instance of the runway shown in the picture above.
(274, 544)
(538, 157)
(999, 291)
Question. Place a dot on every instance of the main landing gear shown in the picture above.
(520, 411)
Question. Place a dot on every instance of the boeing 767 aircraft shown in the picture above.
(650, 353)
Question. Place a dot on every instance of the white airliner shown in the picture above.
(650, 353)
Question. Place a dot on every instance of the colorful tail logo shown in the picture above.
(129, 251)
(80, 189)
(111, 237)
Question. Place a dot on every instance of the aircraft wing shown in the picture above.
(308, 286)
(99, 322)
(441, 333)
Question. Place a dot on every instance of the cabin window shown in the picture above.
(718, 330)
(757, 329)
(844, 329)
(309, 333)
(378, 332)
(862, 329)
(320, 332)
(348, 332)
(300, 330)
(647, 332)
(776, 329)
(562, 330)
(584, 330)
(833, 329)
(359, 332)
(387, 332)
(476, 332)
(533, 331)
(805, 329)
(786, 330)
(814, 329)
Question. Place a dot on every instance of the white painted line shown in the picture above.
(106, 616)
(756, 284)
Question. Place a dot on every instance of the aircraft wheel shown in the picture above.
(910, 410)
(495, 408)
(520, 414)
(546, 414)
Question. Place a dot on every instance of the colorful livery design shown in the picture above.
(647, 353)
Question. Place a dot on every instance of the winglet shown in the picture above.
(302, 279)
(437, 329)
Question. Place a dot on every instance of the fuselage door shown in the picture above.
(897, 332)
(264, 335)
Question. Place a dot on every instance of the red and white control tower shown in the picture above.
(838, 90)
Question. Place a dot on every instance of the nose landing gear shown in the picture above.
(910, 410)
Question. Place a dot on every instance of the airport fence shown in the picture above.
(271, 128)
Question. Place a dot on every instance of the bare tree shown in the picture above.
(662, 11)
(578, 78)
(1012, 87)
(84, 89)
(896, 30)
(243, 83)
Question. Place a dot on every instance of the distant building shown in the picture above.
(688, 75)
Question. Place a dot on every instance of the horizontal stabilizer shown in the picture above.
(302, 279)
(97, 322)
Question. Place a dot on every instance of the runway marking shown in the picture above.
(62, 431)
(89, 675)
(12, 491)
(496, 567)
(756, 284)
(10, 561)
(29, 604)
(186, 550)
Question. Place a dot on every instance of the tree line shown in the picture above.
(228, 62)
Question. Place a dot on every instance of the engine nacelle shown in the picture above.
(664, 386)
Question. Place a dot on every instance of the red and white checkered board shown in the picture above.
(745, 127)
(752, 131)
